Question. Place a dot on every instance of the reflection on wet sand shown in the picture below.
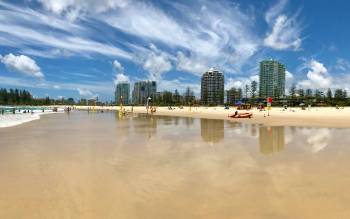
(188, 121)
(212, 131)
(145, 124)
(271, 139)
(254, 130)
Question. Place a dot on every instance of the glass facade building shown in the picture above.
(143, 90)
(122, 93)
(272, 79)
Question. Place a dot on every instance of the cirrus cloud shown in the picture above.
(285, 33)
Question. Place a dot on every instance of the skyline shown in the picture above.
(80, 48)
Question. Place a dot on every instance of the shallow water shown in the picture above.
(100, 166)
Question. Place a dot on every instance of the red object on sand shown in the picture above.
(242, 115)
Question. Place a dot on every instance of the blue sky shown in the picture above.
(81, 48)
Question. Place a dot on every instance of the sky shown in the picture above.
(82, 48)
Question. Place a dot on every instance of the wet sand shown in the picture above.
(100, 166)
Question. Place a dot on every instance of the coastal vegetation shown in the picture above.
(296, 97)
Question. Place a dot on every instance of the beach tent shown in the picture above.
(238, 103)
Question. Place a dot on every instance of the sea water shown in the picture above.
(8, 119)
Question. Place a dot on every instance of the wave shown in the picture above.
(10, 120)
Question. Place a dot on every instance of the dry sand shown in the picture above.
(313, 117)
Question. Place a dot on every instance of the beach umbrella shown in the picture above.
(302, 104)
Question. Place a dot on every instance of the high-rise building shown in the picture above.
(122, 93)
(143, 90)
(272, 79)
(212, 87)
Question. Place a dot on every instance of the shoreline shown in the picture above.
(328, 117)
(12, 120)
(315, 117)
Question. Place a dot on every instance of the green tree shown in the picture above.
(292, 91)
(177, 97)
(329, 94)
(254, 88)
(167, 98)
(301, 93)
(189, 96)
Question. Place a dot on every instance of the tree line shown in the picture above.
(295, 96)
(16, 97)
(167, 98)
(328, 97)
(249, 94)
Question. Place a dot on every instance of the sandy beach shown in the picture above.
(97, 165)
(313, 117)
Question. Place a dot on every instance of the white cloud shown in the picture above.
(15, 14)
(74, 44)
(83, 92)
(56, 86)
(180, 85)
(289, 81)
(121, 78)
(254, 78)
(234, 83)
(190, 64)
(47, 53)
(342, 65)
(22, 64)
(118, 67)
(289, 75)
(156, 62)
(317, 76)
(240, 82)
(72, 9)
(285, 34)
(147, 21)
(219, 34)
(86, 93)
(275, 10)
(120, 75)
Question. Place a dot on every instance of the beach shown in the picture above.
(277, 116)
(313, 117)
(101, 165)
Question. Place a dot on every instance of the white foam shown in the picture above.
(9, 120)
